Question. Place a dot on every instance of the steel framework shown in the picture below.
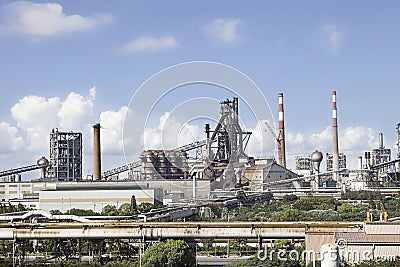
(65, 156)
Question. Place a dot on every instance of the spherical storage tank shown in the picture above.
(316, 156)
(43, 162)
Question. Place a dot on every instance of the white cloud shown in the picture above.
(357, 139)
(321, 140)
(334, 36)
(223, 29)
(150, 44)
(353, 142)
(36, 116)
(170, 133)
(112, 123)
(46, 19)
(76, 110)
(10, 141)
(262, 142)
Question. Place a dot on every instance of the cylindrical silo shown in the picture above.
(329, 255)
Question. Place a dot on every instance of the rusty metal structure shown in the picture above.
(228, 135)
(131, 167)
(169, 164)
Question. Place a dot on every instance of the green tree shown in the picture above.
(126, 210)
(288, 214)
(81, 212)
(173, 253)
(289, 198)
(145, 207)
(109, 210)
(56, 212)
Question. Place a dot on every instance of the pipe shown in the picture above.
(194, 187)
(96, 152)
(335, 138)
(281, 134)
(137, 233)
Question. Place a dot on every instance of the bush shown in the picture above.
(173, 253)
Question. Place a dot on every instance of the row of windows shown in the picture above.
(14, 192)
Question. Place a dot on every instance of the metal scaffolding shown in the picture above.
(230, 138)
(329, 161)
(65, 156)
(398, 140)
(303, 163)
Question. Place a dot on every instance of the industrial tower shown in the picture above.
(228, 134)
(65, 156)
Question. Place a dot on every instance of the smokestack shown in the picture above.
(335, 138)
(208, 142)
(96, 153)
(281, 134)
(360, 165)
(381, 140)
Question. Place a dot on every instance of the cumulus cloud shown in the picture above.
(334, 36)
(112, 123)
(262, 142)
(46, 19)
(223, 29)
(358, 139)
(150, 44)
(10, 141)
(170, 133)
(76, 110)
(353, 142)
(36, 116)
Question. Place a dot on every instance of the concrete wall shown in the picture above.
(203, 187)
(259, 174)
(12, 190)
(95, 199)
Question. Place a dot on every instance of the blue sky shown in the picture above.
(52, 55)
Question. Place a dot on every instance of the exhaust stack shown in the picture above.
(281, 134)
(381, 141)
(335, 138)
(96, 153)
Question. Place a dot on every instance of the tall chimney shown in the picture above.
(335, 138)
(360, 165)
(381, 140)
(281, 134)
(96, 153)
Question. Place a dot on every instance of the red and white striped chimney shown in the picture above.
(335, 138)
(281, 134)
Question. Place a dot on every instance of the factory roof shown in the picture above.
(356, 238)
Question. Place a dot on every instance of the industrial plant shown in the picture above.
(221, 172)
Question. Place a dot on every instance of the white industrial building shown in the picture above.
(376, 240)
(95, 199)
(83, 195)
(263, 176)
